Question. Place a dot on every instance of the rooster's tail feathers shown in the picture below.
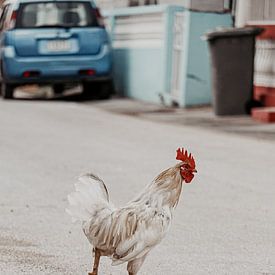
(90, 193)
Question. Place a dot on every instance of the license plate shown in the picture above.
(58, 45)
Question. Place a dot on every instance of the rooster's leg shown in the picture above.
(96, 262)
(134, 266)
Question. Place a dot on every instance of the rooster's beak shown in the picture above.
(195, 171)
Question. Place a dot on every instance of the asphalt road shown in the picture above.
(224, 223)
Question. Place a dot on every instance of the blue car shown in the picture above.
(54, 43)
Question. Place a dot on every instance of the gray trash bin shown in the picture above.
(232, 57)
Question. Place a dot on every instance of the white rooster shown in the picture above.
(127, 234)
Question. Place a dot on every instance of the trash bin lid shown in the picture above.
(232, 32)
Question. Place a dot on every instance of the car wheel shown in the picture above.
(106, 89)
(58, 89)
(98, 90)
(89, 90)
(7, 90)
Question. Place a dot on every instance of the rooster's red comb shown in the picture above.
(182, 155)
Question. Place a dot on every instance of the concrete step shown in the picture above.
(264, 114)
(260, 91)
(268, 100)
(268, 33)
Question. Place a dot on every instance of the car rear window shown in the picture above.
(56, 14)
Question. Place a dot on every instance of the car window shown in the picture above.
(56, 14)
(3, 17)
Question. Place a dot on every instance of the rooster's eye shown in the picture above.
(185, 166)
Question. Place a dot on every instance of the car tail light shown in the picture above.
(99, 17)
(88, 72)
(29, 74)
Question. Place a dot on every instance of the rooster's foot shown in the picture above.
(92, 273)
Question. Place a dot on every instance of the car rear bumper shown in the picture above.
(51, 69)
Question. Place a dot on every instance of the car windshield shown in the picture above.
(56, 14)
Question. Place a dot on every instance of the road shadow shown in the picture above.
(44, 94)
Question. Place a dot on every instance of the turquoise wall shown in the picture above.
(145, 73)
(139, 73)
(196, 80)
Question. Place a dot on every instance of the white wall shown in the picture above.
(205, 5)
(200, 5)
(255, 12)
(111, 4)
(139, 31)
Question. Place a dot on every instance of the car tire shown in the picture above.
(97, 90)
(88, 90)
(58, 89)
(106, 89)
(7, 90)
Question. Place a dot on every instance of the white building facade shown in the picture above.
(262, 14)
(205, 5)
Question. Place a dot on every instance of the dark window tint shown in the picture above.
(56, 14)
